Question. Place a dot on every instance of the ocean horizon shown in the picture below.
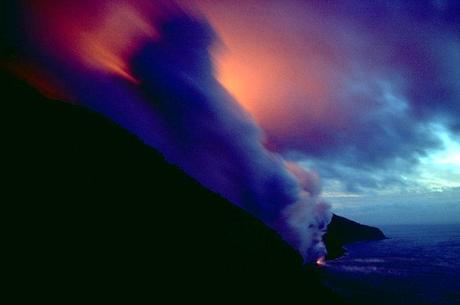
(417, 264)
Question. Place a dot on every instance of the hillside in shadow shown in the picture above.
(94, 214)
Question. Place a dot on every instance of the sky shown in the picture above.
(367, 94)
(282, 107)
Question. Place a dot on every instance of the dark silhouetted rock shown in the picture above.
(342, 231)
(97, 215)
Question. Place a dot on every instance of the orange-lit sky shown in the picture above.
(279, 78)
(104, 39)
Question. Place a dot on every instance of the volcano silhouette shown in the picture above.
(96, 214)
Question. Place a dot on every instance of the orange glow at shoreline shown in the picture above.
(321, 261)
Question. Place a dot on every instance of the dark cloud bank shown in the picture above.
(395, 79)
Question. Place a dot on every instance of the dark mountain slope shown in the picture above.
(94, 214)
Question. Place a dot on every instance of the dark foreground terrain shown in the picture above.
(95, 215)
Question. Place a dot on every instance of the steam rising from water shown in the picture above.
(148, 67)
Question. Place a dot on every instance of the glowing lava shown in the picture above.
(321, 261)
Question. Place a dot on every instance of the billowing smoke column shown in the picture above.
(148, 67)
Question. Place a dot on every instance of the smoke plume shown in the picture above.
(149, 68)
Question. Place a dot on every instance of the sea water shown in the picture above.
(417, 264)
